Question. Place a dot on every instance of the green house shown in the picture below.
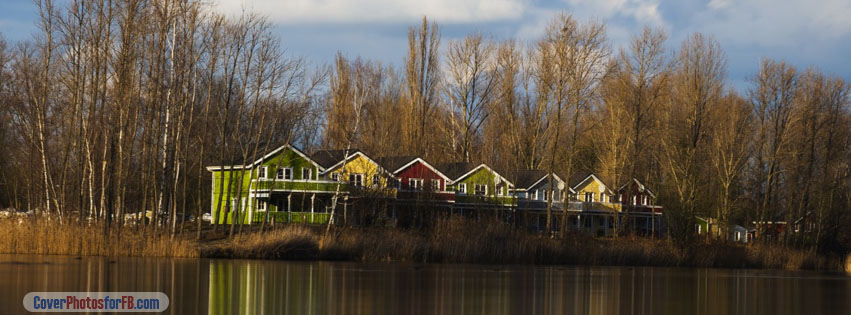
(282, 185)
(478, 186)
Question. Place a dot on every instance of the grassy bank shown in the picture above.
(43, 237)
(451, 240)
(462, 241)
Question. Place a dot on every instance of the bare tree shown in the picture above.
(697, 89)
(772, 98)
(572, 62)
(470, 86)
(422, 75)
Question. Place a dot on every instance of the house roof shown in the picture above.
(394, 163)
(329, 158)
(526, 179)
(259, 157)
(641, 187)
(456, 170)
(577, 178)
(460, 170)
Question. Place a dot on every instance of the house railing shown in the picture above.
(480, 199)
(298, 185)
(292, 217)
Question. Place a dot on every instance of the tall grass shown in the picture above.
(457, 240)
(48, 237)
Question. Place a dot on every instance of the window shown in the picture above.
(546, 195)
(306, 173)
(284, 173)
(589, 197)
(376, 179)
(335, 177)
(535, 194)
(261, 205)
(415, 183)
(481, 189)
(435, 185)
(356, 180)
(499, 190)
(462, 188)
(261, 172)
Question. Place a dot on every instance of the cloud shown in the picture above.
(641, 11)
(379, 11)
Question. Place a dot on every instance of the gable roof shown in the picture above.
(526, 179)
(329, 158)
(396, 164)
(334, 159)
(575, 182)
(641, 187)
(460, 170)
(455, 170)
(239, 164)
(577, 178)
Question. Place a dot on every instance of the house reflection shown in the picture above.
(265, 287)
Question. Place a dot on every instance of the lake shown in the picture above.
(274, 287)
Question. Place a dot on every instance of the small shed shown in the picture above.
(738, 234)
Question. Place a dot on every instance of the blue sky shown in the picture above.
(804, 33)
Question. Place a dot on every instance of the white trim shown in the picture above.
(586, 179)
(486, 167)
(271, 153)
(351, 157)
(544, 177)
(292, 173)
(355, 176)
(420, 181)
(445, 178)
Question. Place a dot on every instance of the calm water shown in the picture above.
(268, 287)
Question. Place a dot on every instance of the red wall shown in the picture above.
(419, 170)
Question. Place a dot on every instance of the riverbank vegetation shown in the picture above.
(49, 237)
(455, 240)
(116, 107)
(450, 240)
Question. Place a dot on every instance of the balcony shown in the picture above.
(298, 185)
(480, 199)
(293, 217)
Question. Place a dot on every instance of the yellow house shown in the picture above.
(593, 193)
(597, 210)
(357, 169)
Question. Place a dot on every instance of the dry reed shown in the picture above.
(48, 237)
(457, 240)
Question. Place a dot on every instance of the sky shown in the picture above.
(804, 33)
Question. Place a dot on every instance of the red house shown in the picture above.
(417, 180)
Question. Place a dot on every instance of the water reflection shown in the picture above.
(348, 288)
(269, 287)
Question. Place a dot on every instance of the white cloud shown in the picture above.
(718, 4)
(771, 23)
(641, 11)
(380, 11)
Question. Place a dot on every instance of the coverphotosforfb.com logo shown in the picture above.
(96, 301)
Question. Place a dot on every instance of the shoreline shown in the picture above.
(449, 241)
